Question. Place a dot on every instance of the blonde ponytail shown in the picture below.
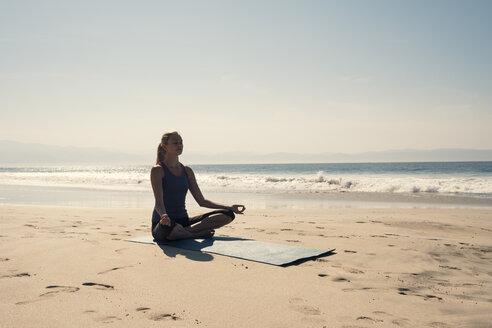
(161, 152)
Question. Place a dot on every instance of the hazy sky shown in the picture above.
(263, 76)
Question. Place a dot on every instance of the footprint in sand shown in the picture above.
(53, 291)
(449, 267)
(292, 241)
(142, 309)
(402, 322)
(114, 269)
(403, 291)
(352, 270)
(164, 316)
(346, 237)
(357, 289)
(369, 319)
(104, 286)
(23, 274)
(431, 297)
(427, 297)
(60, 289)
(107, 319)
(299, 305)
(438, 325)
(349, 251)
(341, 279)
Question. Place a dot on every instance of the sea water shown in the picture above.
(129, 185)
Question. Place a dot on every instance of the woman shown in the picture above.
(170, 182)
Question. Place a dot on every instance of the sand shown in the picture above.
(70, 267)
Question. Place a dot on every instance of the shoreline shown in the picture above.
(85, 197)
(404, 267)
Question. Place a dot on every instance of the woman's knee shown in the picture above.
(225, 218)
(218, 219)
(160, 232)
(230, 214)
(177, 232)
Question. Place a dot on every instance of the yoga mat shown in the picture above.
(247, 249)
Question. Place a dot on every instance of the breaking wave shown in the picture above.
(323, 182)
(137, 178)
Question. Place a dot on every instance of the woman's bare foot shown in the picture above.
(208, 234)
(203, 234)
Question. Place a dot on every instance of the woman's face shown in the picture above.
(174, 145)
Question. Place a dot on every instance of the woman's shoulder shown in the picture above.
(187, 169)
(157, 169)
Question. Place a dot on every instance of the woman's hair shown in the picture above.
(161, 153)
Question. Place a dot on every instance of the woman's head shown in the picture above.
(170, 141)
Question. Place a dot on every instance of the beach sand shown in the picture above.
(71, 267)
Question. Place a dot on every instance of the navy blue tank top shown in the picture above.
(174, 189)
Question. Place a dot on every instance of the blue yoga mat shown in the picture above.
(247, 249)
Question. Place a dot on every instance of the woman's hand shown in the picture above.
(165, 220)
(238, 209)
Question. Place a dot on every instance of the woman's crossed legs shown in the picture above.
(201, 226)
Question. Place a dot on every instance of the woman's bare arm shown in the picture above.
(156, 176)
(202, 201)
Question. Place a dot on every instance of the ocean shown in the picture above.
(374, 184)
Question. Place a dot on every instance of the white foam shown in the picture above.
(138, 180)
(91, 179)
(346, 183)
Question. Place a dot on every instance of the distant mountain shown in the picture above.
(12, 152)
(408, 155)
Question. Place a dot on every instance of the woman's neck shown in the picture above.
(171, 161)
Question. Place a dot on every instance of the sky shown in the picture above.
(247, 76)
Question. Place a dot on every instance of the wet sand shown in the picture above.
(393, 267)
